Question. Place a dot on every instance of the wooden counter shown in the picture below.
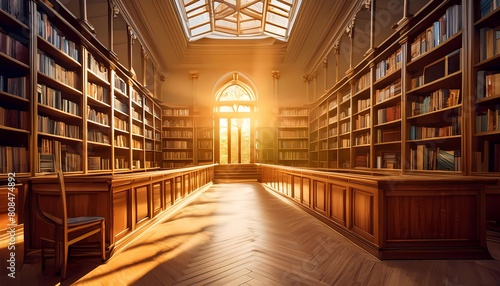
(394, 217)
(127, 201)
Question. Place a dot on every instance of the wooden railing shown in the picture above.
(393, 216)
(128, 201)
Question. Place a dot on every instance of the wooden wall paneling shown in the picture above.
(157, 198)
(297, 188)
(178, 188)
(363, 212)
(142, 203)
(306, 191)
(319, 197)
(168, 195)
(337, 204)
(122, 222)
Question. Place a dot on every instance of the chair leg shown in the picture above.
(65, 248)
(103, 242)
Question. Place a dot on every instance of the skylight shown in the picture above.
(240, 19)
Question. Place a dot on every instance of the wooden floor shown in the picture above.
(243, 234)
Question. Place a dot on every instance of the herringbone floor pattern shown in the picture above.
(241, 234)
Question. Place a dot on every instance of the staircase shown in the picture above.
(232, 173)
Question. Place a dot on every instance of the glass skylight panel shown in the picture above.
(238, 18)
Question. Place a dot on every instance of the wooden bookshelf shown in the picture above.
(15, 95)
(63, 91)
(177, 137)
(293, 136)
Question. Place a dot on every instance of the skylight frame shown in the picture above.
(238, 19)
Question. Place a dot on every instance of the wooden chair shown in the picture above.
(69, 230)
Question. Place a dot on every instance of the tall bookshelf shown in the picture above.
(15, 95)
(293, 136)
(177, 137)
(63, 92)
(204, 142)
(486, 88)
(59, 109)
(398, 105)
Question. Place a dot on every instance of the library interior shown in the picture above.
(378, 119)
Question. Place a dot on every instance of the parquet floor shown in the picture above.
(242, 234)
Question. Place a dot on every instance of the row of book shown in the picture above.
(136, 130)
(98, 92)
(333, 131)
(362, 139)
(121, 141)
(300, 144)
(293, 133)
(120, 85)
(444, 28)
(177, 123)
(177, 134)
(177, 155)
(53, 98)
(177, 144)
(345, 127)
(120, 124)
(388, 135)
(362, 121)
(389, 114)
(98, 136)
(389, 160)
(98, 163)
(426, 158)
(14, 159)
(490, 43)
(136, 97)
(51, 34)
(96, 116)
(121, 163)
(437, 100)
(294, 112)
(16, 8)
(284, 122)
(488, 84)
(363, 104)
(96, 67)
(205, 144)
(14, 118)
(13, 48)
(136, 144)
(290, 155)
(136, 115)
(362, 82)
(488, 159)
(50, 68)
(333, 119)
(488, 120)
(391, 64)
(121, 106)
(50, 126)
(392, 90)
(345, 142)
(205, 155)
(423, 132)
(361, 161)
(14, 85)
(149, 134)
(486, 6)
(175, 112)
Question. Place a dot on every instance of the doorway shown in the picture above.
(234, 123)
(234, 138)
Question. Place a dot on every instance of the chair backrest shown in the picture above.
(62, 194)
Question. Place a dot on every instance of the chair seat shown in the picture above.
(72, 221)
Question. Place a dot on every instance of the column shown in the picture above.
(193, 76)
(276, 76)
